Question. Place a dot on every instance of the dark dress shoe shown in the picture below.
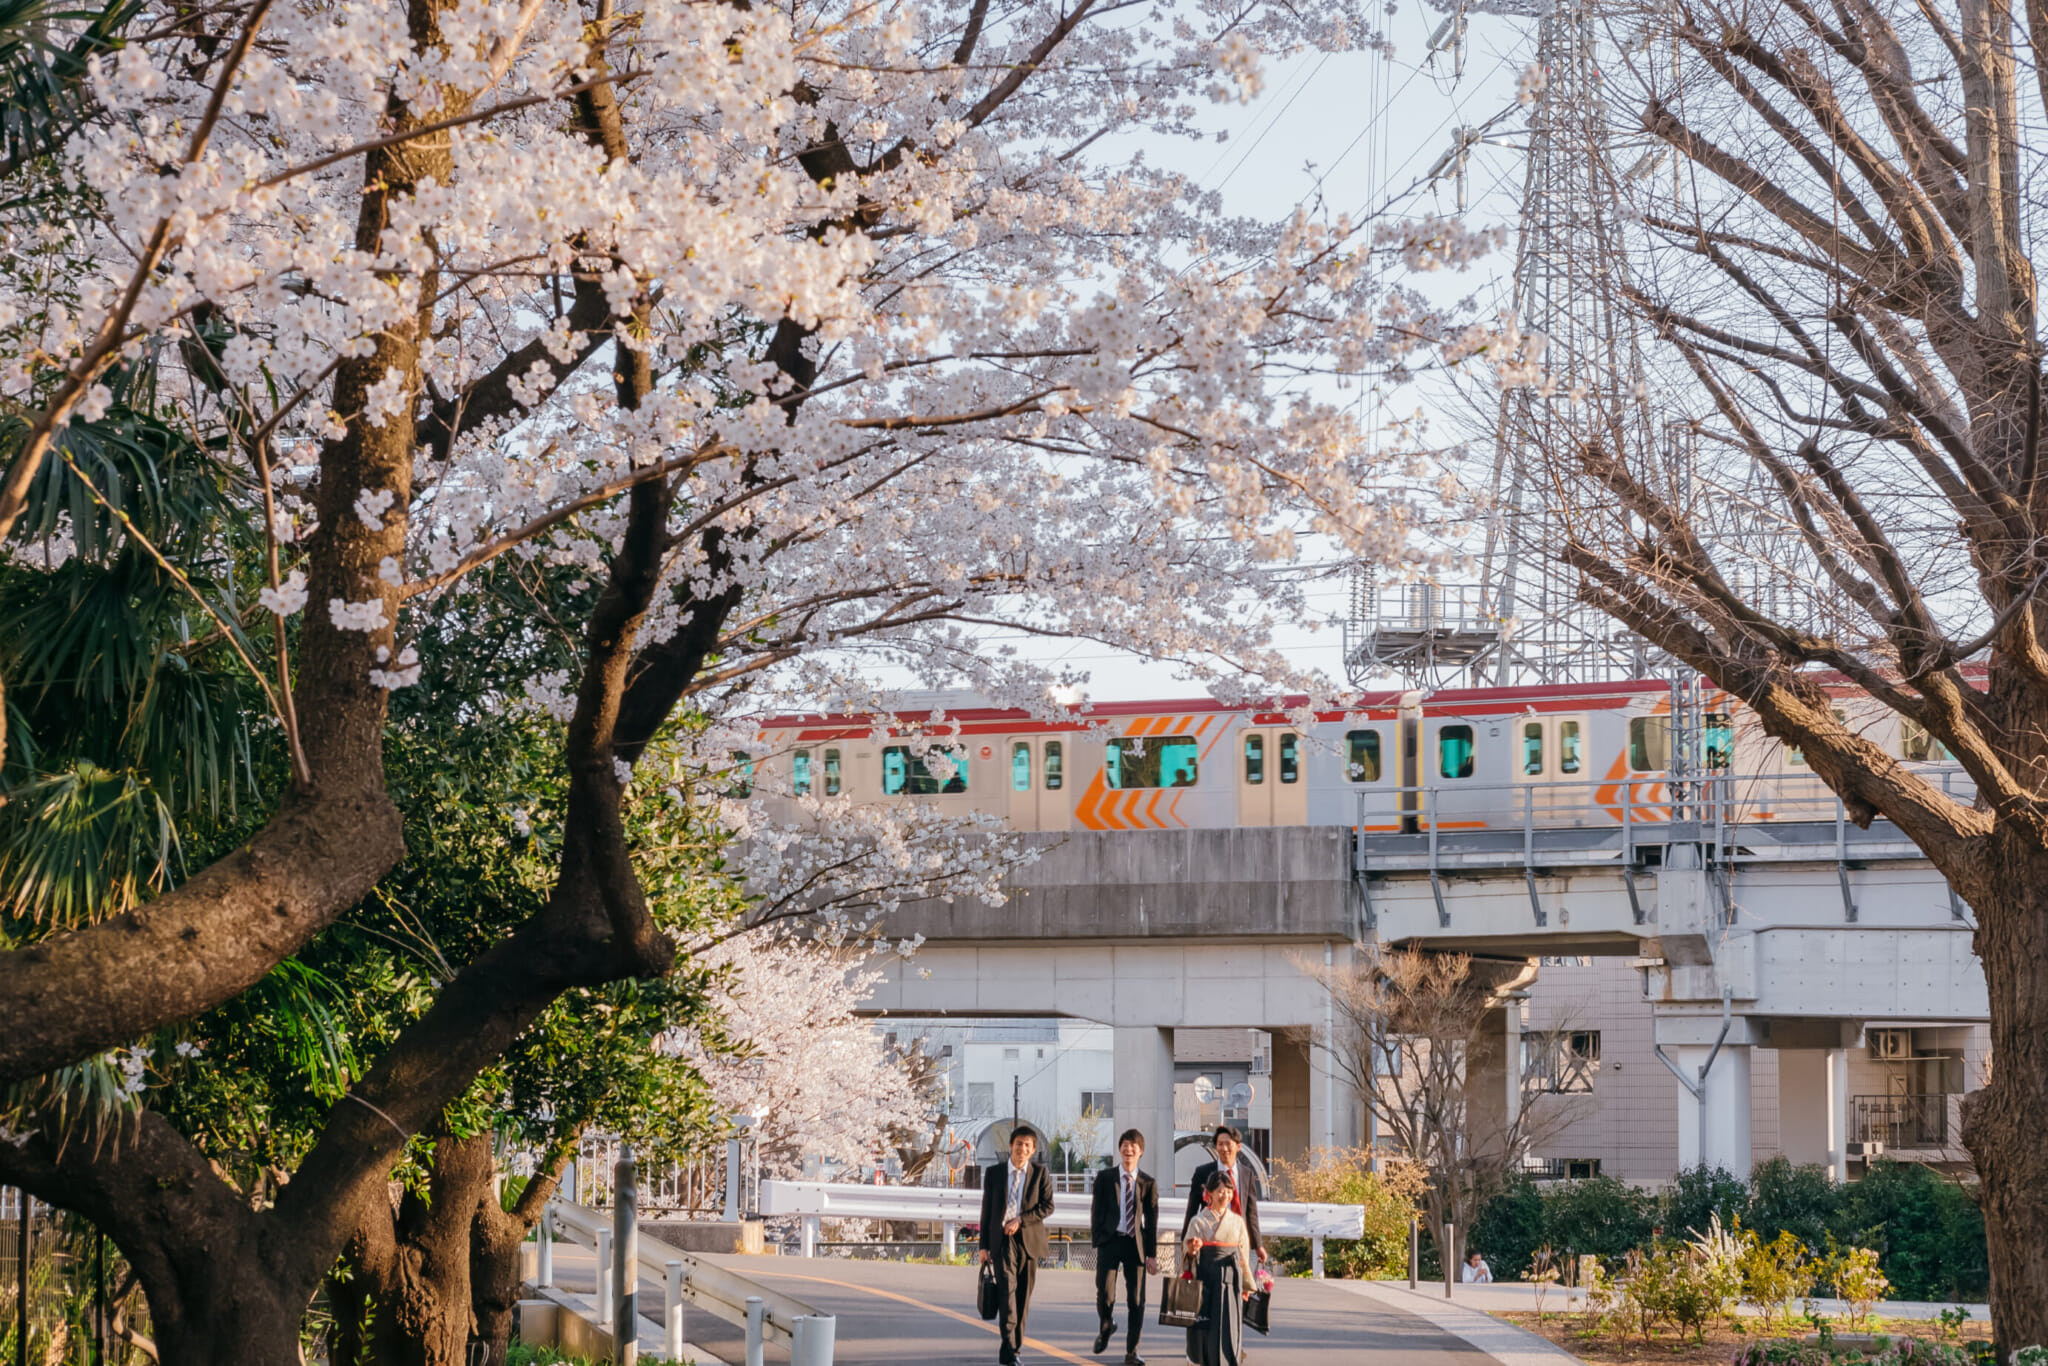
(1133, 1359)
(1102, 1338)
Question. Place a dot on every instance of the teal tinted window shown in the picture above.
(1532, 747)
(831, 772)
(800, 772)
(741, 775)
(1720, 740)
(904, 774)
(1055, 765)
(1255, 759)
(1454, 751)
(1568, 747)
(1290, 757)
(1362, 756)
(1020, 766)
(1158, 761)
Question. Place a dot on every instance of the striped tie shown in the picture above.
(1130, 1205)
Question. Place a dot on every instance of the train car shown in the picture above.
(1548, 756)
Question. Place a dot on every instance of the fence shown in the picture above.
(696, 1189)
(1900, 1121)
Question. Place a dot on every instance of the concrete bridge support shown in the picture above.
(1714, 1128)
(1143, 1091)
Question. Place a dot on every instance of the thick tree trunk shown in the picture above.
(495, 1241)
(2002, 1123)
(406, 1301)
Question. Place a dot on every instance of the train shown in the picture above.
(1476, 758)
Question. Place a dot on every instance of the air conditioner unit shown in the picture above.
(1891, 1045)
(1866, 1151)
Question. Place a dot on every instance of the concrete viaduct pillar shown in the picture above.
(1142, 1097)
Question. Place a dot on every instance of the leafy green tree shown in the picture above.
(1700, 1195)
(1801, 1200)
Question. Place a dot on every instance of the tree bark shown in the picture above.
(2002, 1122)
(495, 1241)
(408, 1288)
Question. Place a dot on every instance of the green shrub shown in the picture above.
(1510, 1227)
(1601, 1216)
(1343, 1176)
(1803, 1201)
(1700, 1195)
(1775, 1273)
(1926, 1228)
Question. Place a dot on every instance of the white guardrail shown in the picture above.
(768, 1315)
(814, 1201)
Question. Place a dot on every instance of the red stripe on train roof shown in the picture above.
(1372, 705)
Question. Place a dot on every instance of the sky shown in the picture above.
(1351, 133)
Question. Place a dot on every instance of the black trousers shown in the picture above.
(1121, 1253)
(1016, 1273)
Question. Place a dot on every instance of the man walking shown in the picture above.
(1123, 1224)
(1015, 1198)
(1244, 1196)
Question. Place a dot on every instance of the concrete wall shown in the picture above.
(1282, 881)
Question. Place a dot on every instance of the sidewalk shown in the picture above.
(1466, 1319)
(1519, 1297)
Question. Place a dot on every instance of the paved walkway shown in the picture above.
(898, 1314)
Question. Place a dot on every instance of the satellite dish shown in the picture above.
(1205, 1090)
(1241, 1096)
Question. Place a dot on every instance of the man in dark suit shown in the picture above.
(1244, 1198)
(1015, 1198)
(1123, 1224)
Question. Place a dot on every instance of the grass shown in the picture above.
(1672, 1346)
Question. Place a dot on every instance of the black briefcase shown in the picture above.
(1256, 1310)
(991, 1297)
(1180, 1303)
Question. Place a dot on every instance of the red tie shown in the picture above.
(1236, 1204)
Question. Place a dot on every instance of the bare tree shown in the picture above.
(1420, 1038)
(1844, 482)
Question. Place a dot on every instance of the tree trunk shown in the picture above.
(2002, 1123)
(407, 1298)
(495, 1241)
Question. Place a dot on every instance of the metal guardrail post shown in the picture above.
(626, 1254)
(543, 1233)
(1414, 1253)
(604, 1278)
(756, 1347)
(1315, 1256)
(1449, 1248)
(672, 1311)
(950, 1239)
(732, 1181)
(812, 1340)
(809, 1245)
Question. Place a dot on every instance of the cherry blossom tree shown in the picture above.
(803, 331)
(818, 1079)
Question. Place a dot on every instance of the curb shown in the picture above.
(1503, 1341)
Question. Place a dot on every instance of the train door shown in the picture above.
(1410, 759)
(1037, 770)
(1272, 781)
(1548, 753)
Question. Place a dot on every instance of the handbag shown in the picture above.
(990, 1301)
(1180, 1303)
(1257, 1309)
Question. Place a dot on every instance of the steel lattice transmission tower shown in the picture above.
(1519, 622)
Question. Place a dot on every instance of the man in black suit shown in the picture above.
(1015, 1198)
(1244, 1198)
(1123, 1224)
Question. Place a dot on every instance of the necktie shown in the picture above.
(1236, 1199)
(1130, 1205)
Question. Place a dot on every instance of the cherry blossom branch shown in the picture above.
(113, 333)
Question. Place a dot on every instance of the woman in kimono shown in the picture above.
(1218, 1249)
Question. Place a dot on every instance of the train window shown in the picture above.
(831, 772)
(1020, 766)
(1720, 737)
(904, 774)
(800, 772)
(1454, 751)
(1362, 756)
(1160, 761)
(742, 771)
(1918, 746)
(1054, 766)
(1568, 748)
(1532, 747)
(1254, 759)
(1290, 757)
(1649, 744)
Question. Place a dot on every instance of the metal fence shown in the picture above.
(1917, 1121)
(693, 1189)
